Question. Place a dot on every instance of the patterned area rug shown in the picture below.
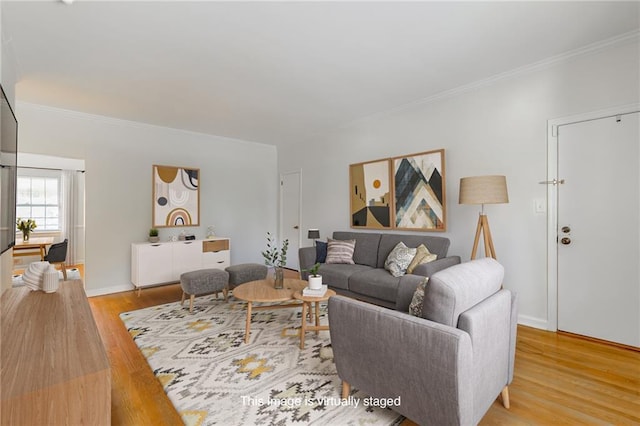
(212, 377)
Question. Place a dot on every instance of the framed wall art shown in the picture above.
(419, 191)
(176, 196)
(370, 192)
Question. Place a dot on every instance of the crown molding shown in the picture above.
(632, 36)
(123, 122)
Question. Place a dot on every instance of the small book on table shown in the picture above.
(314, 292)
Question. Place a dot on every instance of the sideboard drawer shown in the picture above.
(215, 245)
(220, 259)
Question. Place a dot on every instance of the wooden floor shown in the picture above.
(558, 378)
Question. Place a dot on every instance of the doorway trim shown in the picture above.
(281, 218)
(552, 197)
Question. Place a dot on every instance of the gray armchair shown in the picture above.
(448, 366)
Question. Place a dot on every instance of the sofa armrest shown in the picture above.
(306, 259)
(407, 288)
(389, 354)
(489, 324)
(428, 269)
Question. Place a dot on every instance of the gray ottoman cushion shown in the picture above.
(245, 272)
(204, 281)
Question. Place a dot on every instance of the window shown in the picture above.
(38, 198)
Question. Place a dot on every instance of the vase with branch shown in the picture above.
(277, 257)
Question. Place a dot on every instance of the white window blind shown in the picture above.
(38, 198)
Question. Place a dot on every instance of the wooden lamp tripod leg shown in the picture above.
(488, 240)
(483, 227)
(477, 238)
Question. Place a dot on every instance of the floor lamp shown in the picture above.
(483, 190)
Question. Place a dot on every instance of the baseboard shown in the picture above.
(533, 322)
(108, 290)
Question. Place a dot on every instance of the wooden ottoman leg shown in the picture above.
(193, 296)
(182, 300)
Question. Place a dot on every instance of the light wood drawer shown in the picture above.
(214, 246)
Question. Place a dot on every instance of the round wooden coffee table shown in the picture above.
(262, 291)
(307, 302)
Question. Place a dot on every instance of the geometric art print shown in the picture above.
(176, 196)
(370, 194)
(419, 191)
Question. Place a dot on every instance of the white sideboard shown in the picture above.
(162, 263)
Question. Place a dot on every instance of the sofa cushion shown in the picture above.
(366, 250)
(399, 259)
(436, 245)
(340, 251)
(379, 284)
(454, 290)
(422, 256)
(337, 275)
(376, 282)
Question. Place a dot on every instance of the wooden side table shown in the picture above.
(307, 302)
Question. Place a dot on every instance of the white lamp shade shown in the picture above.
(483, 190)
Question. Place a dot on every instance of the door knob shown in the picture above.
(566, 229)
(296, 227)
(565, 240)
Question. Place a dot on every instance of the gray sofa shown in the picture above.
(367, 279)
(448, 366)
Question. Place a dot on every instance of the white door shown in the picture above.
(290, 215)
(598, 229)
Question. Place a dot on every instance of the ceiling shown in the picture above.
(277, 72)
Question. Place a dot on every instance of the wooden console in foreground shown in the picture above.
(54, 366)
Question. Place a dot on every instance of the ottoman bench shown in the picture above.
(203, 281)
(245, 272)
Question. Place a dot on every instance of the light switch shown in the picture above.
(539, 205)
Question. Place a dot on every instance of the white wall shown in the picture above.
(496, 128)
(239, 182)
(8, 78)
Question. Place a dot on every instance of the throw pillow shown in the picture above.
(422, 256)
(415, 307)
(321, 251)
(399, 259)
(340, 251)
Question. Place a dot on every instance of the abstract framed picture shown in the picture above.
(370, 194)
(176, 196)
(419, 191)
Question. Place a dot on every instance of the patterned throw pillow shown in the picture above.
(415, 307)
(399, 259)
(340, 251)
(422, 256)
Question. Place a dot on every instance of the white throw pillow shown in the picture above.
(399, 259)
